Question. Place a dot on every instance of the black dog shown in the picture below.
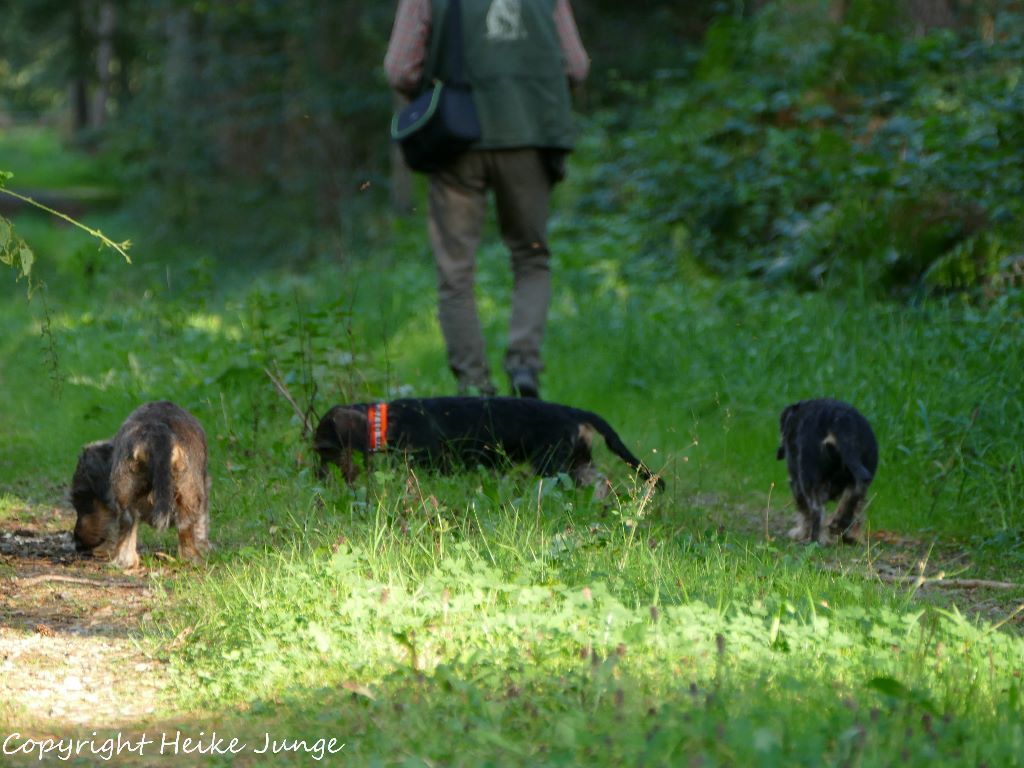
(90, 493)
(153, 470)
(452, 432)
(831, 453)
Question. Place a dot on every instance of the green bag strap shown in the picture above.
(435, 97)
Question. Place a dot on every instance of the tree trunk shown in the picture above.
(104, 56)
(176, 137)
(927, 15)
(178, 58)
(79, 68)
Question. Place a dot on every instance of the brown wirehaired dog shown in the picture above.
(831, 453)
(452, 432)
(153, 470)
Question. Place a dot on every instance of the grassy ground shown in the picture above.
(498, 619)
(39, 159)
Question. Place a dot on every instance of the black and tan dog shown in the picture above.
(154, 470)
(831, 453)
(452, 432)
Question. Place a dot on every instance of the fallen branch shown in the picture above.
(29, 581)
(950, 583)
(933, 581)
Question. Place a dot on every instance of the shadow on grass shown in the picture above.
(593, 713)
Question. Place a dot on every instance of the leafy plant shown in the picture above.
(15, 252)
(818, 154)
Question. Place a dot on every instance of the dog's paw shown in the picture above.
(799, 531)
(126, 561)
(852, 535)
(195, 553)
(847, 534)
(602, 488)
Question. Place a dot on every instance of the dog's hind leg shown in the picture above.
(845, 523)
(192, 541)
(810, 512)
(125, 553)
(193, 524)
(580, 461)
(588, 474)
(806, 482)
(818, 533)
(802, 529)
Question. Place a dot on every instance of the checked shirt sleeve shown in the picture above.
(407, 48)
(577, 63)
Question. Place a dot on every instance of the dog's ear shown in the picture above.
(787, 413)
(341, 431)
(351, 427)
(784, 423)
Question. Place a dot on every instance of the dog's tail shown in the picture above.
(615, 444)
(159, 444)
(851, 459)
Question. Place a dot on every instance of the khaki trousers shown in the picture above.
(457, 206)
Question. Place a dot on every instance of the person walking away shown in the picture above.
(521, 56)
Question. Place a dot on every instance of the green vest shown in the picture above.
(514, 63)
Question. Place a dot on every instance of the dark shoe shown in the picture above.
(524, 383)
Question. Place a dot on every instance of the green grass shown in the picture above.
(491, 618)
(495, 619)
(41, 159)
(499, 648)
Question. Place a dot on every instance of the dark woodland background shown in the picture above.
(796, 140)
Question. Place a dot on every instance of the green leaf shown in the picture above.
(897, 690)
(27, 259)
(890, 687)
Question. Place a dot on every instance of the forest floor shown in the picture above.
(68, 655)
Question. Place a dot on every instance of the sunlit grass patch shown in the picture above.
(11, 506)
(502, 625)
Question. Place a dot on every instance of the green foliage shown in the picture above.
(806, 152)
(14, 252)
(256, 121)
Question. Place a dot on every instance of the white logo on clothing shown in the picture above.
(505, 20)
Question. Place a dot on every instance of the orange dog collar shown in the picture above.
(377, 415)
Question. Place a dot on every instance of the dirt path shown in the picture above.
(67, 654)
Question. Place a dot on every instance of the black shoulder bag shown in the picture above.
(441, 123)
